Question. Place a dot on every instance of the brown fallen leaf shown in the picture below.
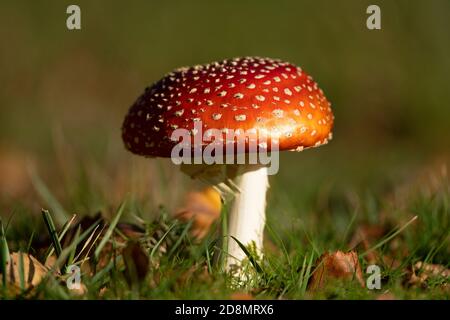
(336, 265)
(32, 275)
(136, 263)
(421, 272)
(203, 208)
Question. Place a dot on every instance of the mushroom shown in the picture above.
(238, 94)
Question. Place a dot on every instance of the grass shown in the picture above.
(183, 268)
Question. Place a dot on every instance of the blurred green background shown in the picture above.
(64, 94)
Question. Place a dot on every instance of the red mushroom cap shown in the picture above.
(241, 93)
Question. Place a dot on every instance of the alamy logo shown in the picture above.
(74, 280)
(373, 22)
(374, 280)
(73, 21)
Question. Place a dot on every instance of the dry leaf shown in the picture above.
(33, 271)
(421, 272)
(336, 265)
(136, 263)
(203, 208)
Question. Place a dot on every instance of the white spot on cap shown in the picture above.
(222, 93)
(260, 98)
(278, 113)
(216, 116)
(251, 86)
(288, 92)
(240, 117)
(238, 95)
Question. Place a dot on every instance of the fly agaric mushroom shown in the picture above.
(238, 94)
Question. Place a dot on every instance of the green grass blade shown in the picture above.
(280, 241)
(389, 238)
(224, 221)
(30, 241)
(302, 272)
(249, 256)
(307, 274)
(65, 253)
(65, 228)
(4, 253)
(180, 238)
(99, 275)
(91, 243)
(152, 253)
(52, 231)
(110, 230)
(21, 272)
(72, 253)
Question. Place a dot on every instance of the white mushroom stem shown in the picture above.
(247, 216)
